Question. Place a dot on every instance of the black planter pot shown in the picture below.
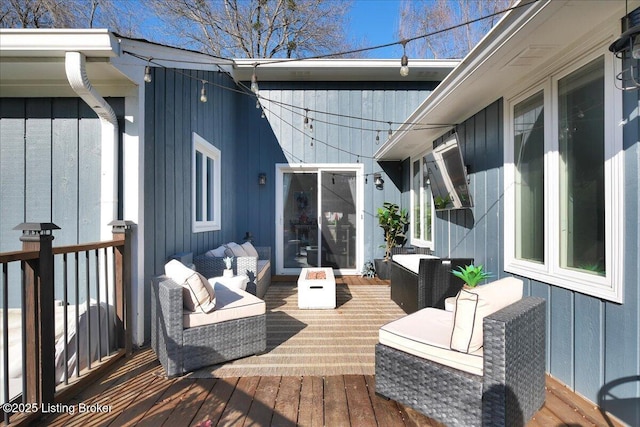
(383, 269)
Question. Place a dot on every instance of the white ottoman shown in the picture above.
(316, 288)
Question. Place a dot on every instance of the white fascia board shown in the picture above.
(170, 57)
(489, 46)
(55, 42)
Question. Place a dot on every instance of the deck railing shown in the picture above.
(94, 312)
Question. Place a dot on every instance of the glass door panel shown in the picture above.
(338, 219)
(300, 231)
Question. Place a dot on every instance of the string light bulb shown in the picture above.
(378, 138)
(404, 61)
(390, 132)
(203, 93)
(147, 73)
(254, 81)
(257, 103)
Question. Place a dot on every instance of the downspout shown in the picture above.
(77, 75)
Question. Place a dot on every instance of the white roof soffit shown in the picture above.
(32, 61)
(518, 48)
(332, 69)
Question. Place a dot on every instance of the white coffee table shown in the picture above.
(317, 288)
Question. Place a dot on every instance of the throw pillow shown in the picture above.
(473, 305)
(197, 292)
(250, 250)
(236, 249)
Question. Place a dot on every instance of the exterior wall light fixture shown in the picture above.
(378, 181)
(262, 179)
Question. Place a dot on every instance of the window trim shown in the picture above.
(417, 241)
(611, 286)
(209, 152)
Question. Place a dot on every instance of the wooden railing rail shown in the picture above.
(38, 313)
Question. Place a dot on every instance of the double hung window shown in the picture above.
(422, 205)
(563, 174)
(205, 185)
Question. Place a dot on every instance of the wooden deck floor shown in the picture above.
(135, 392)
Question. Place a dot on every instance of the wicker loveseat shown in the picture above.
(501, 384)
(257, 269)
(184, 341)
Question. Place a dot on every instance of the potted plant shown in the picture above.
(394, 222)
(471, 275)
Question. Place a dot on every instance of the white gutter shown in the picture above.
(77, 76)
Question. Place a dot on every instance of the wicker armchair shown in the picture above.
(508, 393)
(429, 287)
(258, 270)
(182, 350)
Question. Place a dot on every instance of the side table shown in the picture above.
(238, 282)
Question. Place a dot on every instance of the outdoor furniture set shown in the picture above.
(481, 364)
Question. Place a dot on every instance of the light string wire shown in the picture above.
(304, 111)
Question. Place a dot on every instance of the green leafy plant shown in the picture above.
(394, 222)
(471, 274)
(442, 202)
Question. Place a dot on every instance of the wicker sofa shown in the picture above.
(505, 387)
(183, 347)
(420, 280)
(258, 270)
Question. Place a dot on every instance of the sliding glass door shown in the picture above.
(320, 217)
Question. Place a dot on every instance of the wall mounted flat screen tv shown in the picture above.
(448, 175)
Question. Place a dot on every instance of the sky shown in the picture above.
(376, 22)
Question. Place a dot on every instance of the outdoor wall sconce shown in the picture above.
(378, 181)
(628, 43)
(262, 179)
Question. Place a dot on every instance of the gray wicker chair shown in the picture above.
(510, 391)
(259, 281)
(182, 350)
(429, 287)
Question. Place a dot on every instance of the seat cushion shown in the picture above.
(197, 292)
(427, 334)
(474, 304)
(411, 261)
(231, 303)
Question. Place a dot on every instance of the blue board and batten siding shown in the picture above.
(337, 139)
(592, 344)
(50, 163)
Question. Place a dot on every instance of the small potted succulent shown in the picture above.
(471, 275)
(228, 272)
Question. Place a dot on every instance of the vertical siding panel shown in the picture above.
(89, 179)
(322, 150)
(542, 290)
(160, 208)
(170, 165)
(588, 357)
(12, 172)
(480, 188)
(333, 134)
(149, 181)
(562, 327)
(38, 160)
(65, 174)
(181, 198)
(494, 192)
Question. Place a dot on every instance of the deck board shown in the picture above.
(140, 395)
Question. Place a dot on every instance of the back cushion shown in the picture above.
(249, 249)
(234, 249)
(473, 305)
(217, 252)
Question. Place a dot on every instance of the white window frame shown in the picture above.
(611, 285)
(201, 145)
(418, 240)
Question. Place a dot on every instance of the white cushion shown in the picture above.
(474, 304)
(231, 303)
(234, 249)
(249, 249)
(197, 292)
(217, 252)
(411, 261)
(426, 334)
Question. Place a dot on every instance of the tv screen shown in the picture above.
(448, 175)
